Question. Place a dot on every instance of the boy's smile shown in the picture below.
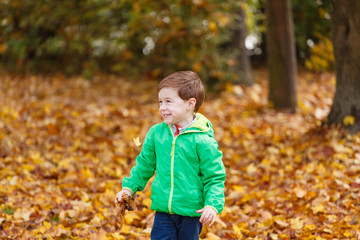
(175, 110)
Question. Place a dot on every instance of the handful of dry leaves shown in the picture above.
(126, 203)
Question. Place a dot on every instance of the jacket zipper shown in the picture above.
(172, 154)
(172, 174)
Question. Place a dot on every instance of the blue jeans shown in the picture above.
(175, 227)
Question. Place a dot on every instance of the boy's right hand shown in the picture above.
(120, 194)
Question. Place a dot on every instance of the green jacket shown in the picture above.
(190, 173)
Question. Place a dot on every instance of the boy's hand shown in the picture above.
(120, 194)
(208, 215)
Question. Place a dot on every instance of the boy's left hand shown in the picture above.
(208, 215)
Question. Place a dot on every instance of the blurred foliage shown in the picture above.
(321, 56)
(312, 25)
(151, 38)
(142, 37)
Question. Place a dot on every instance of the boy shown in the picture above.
(188, 188)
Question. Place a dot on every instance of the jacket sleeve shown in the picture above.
(212, 173)
(145, 166)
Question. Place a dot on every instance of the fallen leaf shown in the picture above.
(281, 223)
(300, 193)
(349, 120)
(137, 141)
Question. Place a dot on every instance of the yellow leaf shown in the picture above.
(281, 223)
(260, 225)
(86, 173)
(28, 167)
(47, 108)
(289, 168)
(341, 156)
(9, 112)
(101, 217)
(42, 229)
(309, 227)
(96, 221)
(348, 234)
(125, 228)
(238, 188)
(212, 26)
(75, 114)
(81, 225)
(117, 236)
(237, 231)
(65, 163)
(36, 157)
(297, 223)
(137, 141)
(197, 66)
(318, 209)
(3, 48)
(147, 202)
(130, 217)
(84, 196)
(247, 198)
(229, 87)
(349, 120)
(251, 169)
(59, 230)
(297, 159)
(303, 106)
(223, 21)
(47, 225)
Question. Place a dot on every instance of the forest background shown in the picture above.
(78, 94)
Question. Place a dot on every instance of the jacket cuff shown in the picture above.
(129, 189)
(212, 208)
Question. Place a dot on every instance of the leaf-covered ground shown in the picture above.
(66, 144)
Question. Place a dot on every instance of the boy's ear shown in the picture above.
(192, 103)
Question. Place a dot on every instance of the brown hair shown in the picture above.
(188, 85)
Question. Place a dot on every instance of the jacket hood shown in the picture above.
(202, 124)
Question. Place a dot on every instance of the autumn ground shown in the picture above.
(66, 144)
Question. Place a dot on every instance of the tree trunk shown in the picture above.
(346, 41)
(280, 45)
(243, 61)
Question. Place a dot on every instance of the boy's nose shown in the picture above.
(162, 107)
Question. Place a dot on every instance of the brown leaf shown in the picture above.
(126, 203)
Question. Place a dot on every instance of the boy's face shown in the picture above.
(175, 110)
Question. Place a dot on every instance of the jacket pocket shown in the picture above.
(197, 193)
(155, 189)
(159, 197)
